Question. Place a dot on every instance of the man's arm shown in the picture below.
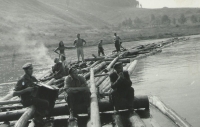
(20, 92)
(127, 80)
(83, 82)
(115, 83)
(56, 50)
(67, 84)
(75, 42)
(84, 41)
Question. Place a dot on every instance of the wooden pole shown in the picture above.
(94, 107)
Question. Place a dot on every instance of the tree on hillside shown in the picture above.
(137, 20)
(182, 19)
(127, 23)
(174, 21)
(193, 18)
(165, 20)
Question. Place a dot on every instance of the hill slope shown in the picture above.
(54, 20)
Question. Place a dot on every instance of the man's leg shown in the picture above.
(130, 98)
(41, 109)
(78, 54)
(114, 96)
(71, 101)
(103, 52)
(82, 54)
(117, 46)
(98, 52)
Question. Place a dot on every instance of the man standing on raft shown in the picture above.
(79, 46)
(117, 43)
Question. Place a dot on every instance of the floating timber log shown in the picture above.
(155, 101)
(94, 107)
(22, 122)
(108, 59)
(117, 120)
(93, 65)
(121, 60)
(135, 120)
(102, 65)
(106, 70)
(62, 109)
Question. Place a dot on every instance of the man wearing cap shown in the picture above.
(79, 46)
(26, 90)
(77, 92)
(121, 85)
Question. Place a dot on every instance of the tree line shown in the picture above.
(159, 21)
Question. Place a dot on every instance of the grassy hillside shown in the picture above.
(25, 22)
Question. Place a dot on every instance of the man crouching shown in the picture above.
(77, 92)
(122, 90)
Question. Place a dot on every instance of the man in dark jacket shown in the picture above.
(121, 85)
(27, 91)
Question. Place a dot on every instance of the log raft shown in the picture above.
(104, 105)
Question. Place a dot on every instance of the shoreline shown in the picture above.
(106, 42)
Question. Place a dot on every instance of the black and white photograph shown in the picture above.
(99, 63)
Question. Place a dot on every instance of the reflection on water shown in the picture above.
(173, 75)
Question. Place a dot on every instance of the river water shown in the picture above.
(173, 75)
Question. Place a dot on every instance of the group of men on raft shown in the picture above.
(75, 87)
(79, 43)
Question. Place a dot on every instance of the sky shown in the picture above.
(169, 3)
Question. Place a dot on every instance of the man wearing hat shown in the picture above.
(122, 90)
(26, 90)
(77, 92)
